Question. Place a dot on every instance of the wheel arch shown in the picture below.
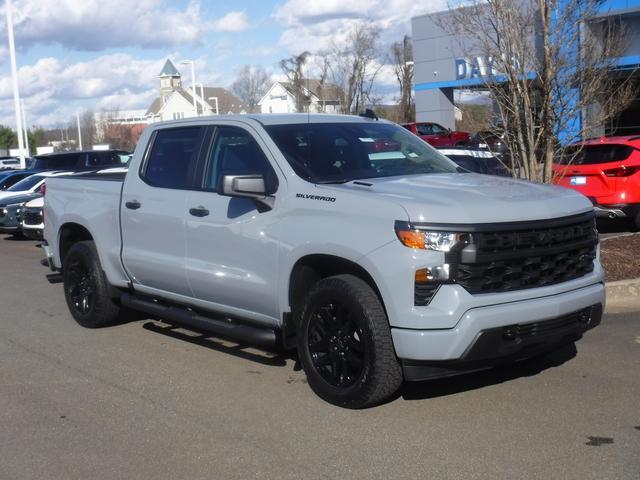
(311, 268)
(69, 234)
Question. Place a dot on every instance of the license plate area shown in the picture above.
(578, 180)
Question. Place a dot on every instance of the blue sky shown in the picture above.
(106, 54)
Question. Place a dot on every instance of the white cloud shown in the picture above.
(232, 22)
(315, 25)
(93, 25)
(52, 88)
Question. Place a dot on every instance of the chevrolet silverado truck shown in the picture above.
(379, 265)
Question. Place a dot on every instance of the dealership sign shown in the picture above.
(475, 67)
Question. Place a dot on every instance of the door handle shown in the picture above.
(199, 212)
(133, 205)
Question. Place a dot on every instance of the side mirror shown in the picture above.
(247, 186)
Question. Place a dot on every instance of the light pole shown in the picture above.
(216, 99)
(24, 129)
(14, 76)
(79, 132)
(193, 83)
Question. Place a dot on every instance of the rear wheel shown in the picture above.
(86, 290)
(345, 346)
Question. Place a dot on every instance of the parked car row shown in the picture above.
(21, 191)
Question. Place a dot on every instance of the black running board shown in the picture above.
(231, 329)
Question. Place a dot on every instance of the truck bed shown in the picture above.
(90, 201)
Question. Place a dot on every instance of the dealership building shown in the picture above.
(441, 68)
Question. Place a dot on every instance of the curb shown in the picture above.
(622, 291)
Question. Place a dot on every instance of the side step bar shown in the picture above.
(217, 326)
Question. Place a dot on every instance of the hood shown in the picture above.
(37, 202)
(471, 198)
(17, 198)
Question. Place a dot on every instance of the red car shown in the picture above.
(607, 170)
(437, 135)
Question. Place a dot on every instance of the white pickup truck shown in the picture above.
(347, 238)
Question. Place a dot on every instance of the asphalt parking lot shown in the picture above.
(141, 400)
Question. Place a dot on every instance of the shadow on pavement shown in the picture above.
(260, 355)
(471, 381)
(16, 238)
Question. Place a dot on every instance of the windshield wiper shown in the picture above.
(333, 182)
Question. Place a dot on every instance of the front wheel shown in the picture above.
(345, 345)
(86, 289)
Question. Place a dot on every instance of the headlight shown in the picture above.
(426, 239)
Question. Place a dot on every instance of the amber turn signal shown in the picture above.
(411, 238)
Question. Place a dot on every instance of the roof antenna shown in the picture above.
(368, 113)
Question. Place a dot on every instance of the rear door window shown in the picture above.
(173, 158)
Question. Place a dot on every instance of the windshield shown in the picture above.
(341, 152)
(26, 184)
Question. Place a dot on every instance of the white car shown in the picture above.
(30, 184)
(31, 219)
(9, 163)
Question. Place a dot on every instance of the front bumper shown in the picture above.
(32, 233)
(449, 344)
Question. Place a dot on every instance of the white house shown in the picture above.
(174, 102)
(321, 97)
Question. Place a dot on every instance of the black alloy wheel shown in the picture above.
(334, 340)
(345, 345)
(81, 287)
(91, 300)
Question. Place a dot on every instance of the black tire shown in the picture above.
(345, 346)
(86, 290)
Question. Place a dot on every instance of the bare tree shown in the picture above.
(353, 67)
(292, 67)
(402, 61)
(250, 85)
(546, 62)
(88, 128)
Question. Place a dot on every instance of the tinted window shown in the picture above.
(340, 152)
(26, 184)
(424, 129)
(10, 180)
(594, 154)
(235, 151)
(101, 159)
(495, 167)
(437, 129)
(173, 157)
(468, 162)
(67, 160)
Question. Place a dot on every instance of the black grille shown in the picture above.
(32, 217)
(529, 255)
(522, 331)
